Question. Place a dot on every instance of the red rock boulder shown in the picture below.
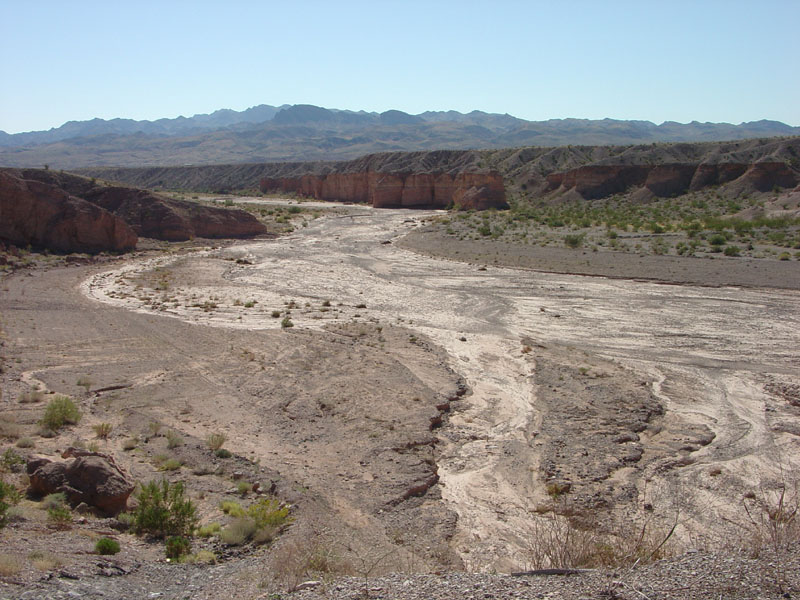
(93, 479)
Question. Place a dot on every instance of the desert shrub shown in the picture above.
(177, 547)
(784, 256)
(260, 523)
(8, 496)
(215, 441)
(9, 427)
(84, 382)
(102, 430)
(171, 464)
(10, 564)
(60, 516)
(269, 513)
(244, 488)
(125, 520)
(45, 561)
(286, 322)
(238, 532)
(11, 461)
(129, 444)
(25, 442)
(234, 509)
(56, 500)
(106, 546)
(31, 397)
(717, 239)
(209, 530)
(732, 251)
(574, 240)
(202, 557)
(554, 542)
(163, 510)
(223, 453)
(60, 411)
(173, 439)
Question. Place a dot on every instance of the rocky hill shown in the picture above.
(424, 178)
(304, 132)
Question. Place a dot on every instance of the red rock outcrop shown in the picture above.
(39, 214)
(667, 180)
(398, 190)
(152, 215)
(161, 218)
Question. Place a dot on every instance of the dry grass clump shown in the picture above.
(9, 428)
(10, 564)
(260, 522)
(31, 397)
(564, 537)
(173, 439)
(216, 440)
(305, 557)
(45, 561)
(102, 430)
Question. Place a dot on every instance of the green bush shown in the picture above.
(732, 251)
(177, 546)
(60, 516)
(717, 240)
(269, 513)
(8, 494)
(286, 322)
(60, 411)
(223, 453)
(163, 510)
(106, 546)
(261, 522)
(209, 530)
(574, 240)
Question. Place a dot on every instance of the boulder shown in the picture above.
(92, 478)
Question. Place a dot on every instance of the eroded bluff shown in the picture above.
(33, 213)
(69, 213)
(668, 180)
(477, 191)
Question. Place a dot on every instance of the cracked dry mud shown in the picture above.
(630, 393)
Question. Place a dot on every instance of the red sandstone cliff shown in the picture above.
(38, 214)
(152, 215)
(398, 190)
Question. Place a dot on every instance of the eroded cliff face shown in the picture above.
(42, 215)
(398, 190)
(151, 215)
(668, 180)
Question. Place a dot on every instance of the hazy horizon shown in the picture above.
(714, 61)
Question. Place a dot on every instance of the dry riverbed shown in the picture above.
(441, 410)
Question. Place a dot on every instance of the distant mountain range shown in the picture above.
(303, 132)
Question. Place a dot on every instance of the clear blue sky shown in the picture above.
(656, 60)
